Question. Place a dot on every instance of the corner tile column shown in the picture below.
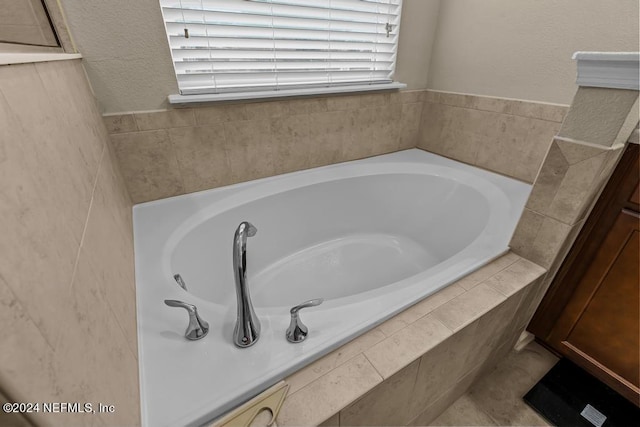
(575, 170)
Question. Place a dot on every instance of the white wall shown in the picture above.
(522, 48)
(129, 64)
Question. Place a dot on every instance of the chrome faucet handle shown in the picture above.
(197, 327)
(297, 331)
(180, 281)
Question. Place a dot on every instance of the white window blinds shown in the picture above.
(222, 46)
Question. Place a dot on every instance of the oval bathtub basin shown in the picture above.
(371, 237)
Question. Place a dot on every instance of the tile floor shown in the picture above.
(496, 399)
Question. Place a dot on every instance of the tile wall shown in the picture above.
(178, 151)
(167, 153)
(574, 172)
(67, 296)
(507, 136)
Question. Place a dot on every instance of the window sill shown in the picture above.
(245, 96)
(27, 58)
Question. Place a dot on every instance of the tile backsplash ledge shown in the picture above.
(179, 151)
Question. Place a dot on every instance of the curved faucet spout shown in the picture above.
(247, 330)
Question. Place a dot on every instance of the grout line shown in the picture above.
(613, 147)
(376, 369)
(86, 222)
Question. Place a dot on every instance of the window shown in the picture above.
(223, 46)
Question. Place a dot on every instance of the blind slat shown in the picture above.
(247, 45)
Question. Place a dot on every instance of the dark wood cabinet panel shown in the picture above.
(591, 312)
(600, 323)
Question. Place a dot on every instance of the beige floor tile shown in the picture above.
(500, 393)
(463, 412)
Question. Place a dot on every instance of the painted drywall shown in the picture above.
(521, 48)
(129, 64)
(417, 37)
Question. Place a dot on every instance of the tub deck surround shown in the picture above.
(314, 228)
(433, 350)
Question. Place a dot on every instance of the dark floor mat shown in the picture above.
(568, 396)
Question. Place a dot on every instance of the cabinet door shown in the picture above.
(599, 328)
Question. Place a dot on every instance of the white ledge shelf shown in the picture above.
(247, 96)
(616, 70)
(27, 58)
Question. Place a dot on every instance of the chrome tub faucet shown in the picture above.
(247, 330)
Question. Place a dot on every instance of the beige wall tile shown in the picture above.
(550, 176)
(266, 110)
(467, 307)
(165, 119)
(536, 110)
(410, 125)
(447, 397)
(528, 304)
(88, 369)
(329, 136)
(490, 333)
(430, 128)
(329, 394)
(42, 113)
(369, 100)
(576, 190)
(25, 352)
(108, 242)
(519, 147)
(411, 96)
(208, 116)
(333, 421)
(334, 359)
(80, 299)
(576, 152)
(406, 345)
(548, 240)
(120, 123)
(201, 156)
(307, 105)
(485, 132)
(597, 114)
(526, 231)
(250, 149)
(148, 164)
(343, 103)
(47, 178)
(441, 368)
(387, 404)
(290, 137)
(420, 309)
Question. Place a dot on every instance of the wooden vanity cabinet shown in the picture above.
(591, 312)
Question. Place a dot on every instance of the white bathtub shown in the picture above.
(371, 237)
